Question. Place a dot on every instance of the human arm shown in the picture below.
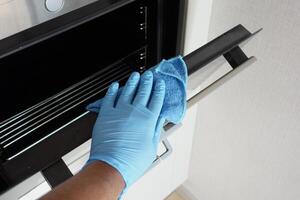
(125, 137)
(97, 180)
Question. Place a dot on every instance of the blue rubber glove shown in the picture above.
(127, 131)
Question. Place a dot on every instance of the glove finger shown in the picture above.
(129, 88)
(144, 90)
(95, 106)
(158, 130)
(111, 94)
(157, 98)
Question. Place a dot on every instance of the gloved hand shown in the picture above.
(127, 131)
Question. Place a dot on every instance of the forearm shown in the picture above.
(96, 181)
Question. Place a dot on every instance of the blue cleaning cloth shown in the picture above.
(174, 73)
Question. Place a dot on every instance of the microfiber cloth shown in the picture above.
(174, 72)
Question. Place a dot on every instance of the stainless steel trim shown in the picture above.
(18, 15)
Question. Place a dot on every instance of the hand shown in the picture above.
(127, 131)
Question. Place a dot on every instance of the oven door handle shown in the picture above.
(164, 155)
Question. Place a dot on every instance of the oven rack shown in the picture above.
(32, 125)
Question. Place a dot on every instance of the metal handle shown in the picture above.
(163, 156)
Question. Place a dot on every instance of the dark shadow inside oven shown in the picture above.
(47, 68)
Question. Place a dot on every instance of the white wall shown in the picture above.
(197, 26)
(247, 140)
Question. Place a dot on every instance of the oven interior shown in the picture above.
(52, 71)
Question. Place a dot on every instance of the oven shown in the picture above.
(57, 56)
